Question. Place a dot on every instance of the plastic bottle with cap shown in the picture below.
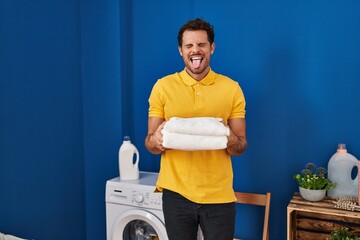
(340, 168)
(127, 168)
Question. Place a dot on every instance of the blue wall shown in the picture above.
(75, 77)
(41, 120)
(102, 105)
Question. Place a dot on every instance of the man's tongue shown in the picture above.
(196, 63)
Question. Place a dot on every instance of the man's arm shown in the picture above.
(154, 138)
(237, 139)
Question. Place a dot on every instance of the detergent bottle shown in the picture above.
(340, 169)
(127, 168)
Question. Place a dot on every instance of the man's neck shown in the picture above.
(200, 76)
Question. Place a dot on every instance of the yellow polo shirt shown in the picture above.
(200, 176)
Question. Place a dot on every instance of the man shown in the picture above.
(197, 185)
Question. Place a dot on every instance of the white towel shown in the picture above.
(198, 133)
(191, 142)
(197, 125)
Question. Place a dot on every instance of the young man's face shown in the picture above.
(196, 51)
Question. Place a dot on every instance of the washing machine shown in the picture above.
(134, 210)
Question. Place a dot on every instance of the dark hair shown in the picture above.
(197, 24)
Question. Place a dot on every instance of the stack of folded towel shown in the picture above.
(198, 133)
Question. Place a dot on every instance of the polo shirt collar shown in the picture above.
(207, 80)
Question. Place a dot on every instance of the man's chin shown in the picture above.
(197, 70)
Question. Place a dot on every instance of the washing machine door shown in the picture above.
(138, 224)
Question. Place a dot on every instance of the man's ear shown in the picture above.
(179, 48)
(212, 48)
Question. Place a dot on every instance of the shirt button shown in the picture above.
(197, 93)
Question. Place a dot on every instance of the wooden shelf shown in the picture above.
(316, 220)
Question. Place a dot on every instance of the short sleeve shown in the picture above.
(239, 104)
(156, 105)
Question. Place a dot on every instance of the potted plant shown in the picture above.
(343, 234)
(312, 182)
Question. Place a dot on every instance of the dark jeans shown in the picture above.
(183, 217)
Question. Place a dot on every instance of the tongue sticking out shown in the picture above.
(196, 63)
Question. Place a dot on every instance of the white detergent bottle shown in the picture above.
(340, 169)
(127, 168)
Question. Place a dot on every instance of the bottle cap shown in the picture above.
(341, 146)
(126, 138)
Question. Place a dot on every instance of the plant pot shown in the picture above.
(312, 195)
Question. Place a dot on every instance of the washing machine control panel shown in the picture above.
(147, 199)
(137, 193)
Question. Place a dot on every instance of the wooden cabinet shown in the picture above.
(316, 220)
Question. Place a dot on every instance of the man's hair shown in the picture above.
(197, 24)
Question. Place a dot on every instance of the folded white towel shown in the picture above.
(191, 142)
(197, 125)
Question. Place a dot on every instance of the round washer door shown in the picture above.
(135, 222)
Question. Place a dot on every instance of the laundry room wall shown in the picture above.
(102, 94)
(60, 115)
(41, 122)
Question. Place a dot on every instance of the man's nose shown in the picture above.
(195, 49)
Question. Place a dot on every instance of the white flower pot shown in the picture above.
(312, 195)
